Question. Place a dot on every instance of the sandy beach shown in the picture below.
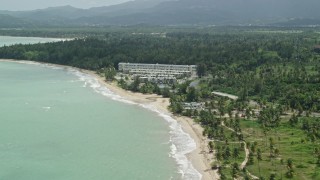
(200, 157)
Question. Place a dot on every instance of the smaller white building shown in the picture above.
(230, 96)
(193, 106)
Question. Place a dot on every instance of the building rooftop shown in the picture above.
(225, 95)
(157, 64)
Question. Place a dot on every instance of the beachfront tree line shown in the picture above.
(278, 68)
(280, 72)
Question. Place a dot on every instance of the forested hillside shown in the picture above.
(178, 12)
(7, 21)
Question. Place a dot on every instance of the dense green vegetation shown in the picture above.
(278, 68)
(275, 73)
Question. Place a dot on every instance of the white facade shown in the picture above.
(158, 69)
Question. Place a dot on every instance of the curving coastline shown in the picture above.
(193, 161)
(198, 157)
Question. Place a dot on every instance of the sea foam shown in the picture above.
(181, 145)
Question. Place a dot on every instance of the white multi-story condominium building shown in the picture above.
(158, 69)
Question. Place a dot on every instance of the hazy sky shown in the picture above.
(36, 4)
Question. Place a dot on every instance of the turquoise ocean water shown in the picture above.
(58, 123)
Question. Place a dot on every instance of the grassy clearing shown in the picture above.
(291, 143)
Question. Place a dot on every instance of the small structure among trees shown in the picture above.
(316, 48)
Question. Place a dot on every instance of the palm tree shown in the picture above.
(251, 160)
(227, 153)
(248, 113)
(289, 163)
(290, 171)
(235, 153)
(211, 146)
(272, 176)
(230, 112)
(276, 152)
(271, 147)
(235, 169)
(259, 157)
(221, 106)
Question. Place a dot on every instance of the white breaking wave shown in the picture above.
(85, 84)
(94, 83)
(46, 108)
(39, 64)
(181, 142)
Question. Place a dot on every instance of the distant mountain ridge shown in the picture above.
(7, 21)
(174, 12)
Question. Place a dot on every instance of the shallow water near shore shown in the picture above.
(60, 123)
(54, 126)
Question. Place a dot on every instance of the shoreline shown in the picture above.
(199, 158)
